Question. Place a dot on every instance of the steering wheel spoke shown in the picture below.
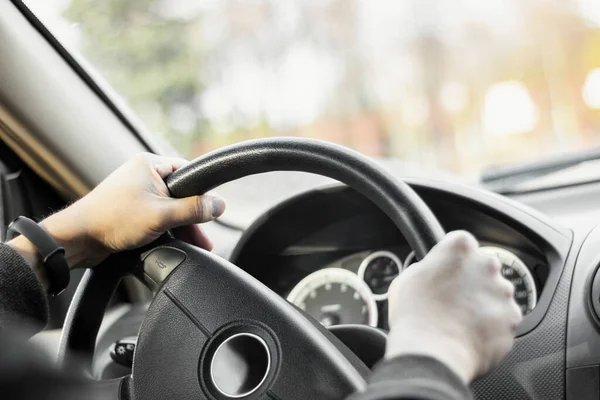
(82, 323)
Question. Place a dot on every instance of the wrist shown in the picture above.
(69, 229)
(450, 350)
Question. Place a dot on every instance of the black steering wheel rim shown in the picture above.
(396, 199)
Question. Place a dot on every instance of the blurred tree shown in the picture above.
(149, 58)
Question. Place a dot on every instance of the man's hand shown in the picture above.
(455, 306)
(131, 208)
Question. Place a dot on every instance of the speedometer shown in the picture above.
(519, 275)
(335, 296)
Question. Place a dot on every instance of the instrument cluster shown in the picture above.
(335, 295)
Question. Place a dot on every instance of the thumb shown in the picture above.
(194, 210)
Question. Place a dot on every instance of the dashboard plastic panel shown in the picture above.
(490, 218)
(535, 369)
(583, 344)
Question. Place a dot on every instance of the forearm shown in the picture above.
(413, 378)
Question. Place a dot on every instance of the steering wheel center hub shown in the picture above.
(240, 365)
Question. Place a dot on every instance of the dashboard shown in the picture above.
(333, 254)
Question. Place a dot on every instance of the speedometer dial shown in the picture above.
(519, 275)
(335, 296)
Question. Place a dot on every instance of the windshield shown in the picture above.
(457, 85)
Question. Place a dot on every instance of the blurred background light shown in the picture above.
(508, 109)
(454, 97)
(591, 89)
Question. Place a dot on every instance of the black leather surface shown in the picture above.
(203, 297)
(395, 198)
(366, 342)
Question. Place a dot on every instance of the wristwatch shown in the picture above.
(55, 263)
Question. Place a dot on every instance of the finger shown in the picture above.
(193, 234)
(164, 169)
(461, 241)
(492, 264)
(192, 210)
(456, 243)
(506, 288)
(516, 315)
(165, 166)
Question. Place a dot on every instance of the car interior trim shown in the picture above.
(102, 90)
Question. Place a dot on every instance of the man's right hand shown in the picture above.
(454, 306)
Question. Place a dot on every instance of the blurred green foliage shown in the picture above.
(150, 59)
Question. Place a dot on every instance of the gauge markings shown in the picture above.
(340, 297)
(378, 270)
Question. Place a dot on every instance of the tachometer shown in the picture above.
(517, 272)
(335, 296)
(378, 270)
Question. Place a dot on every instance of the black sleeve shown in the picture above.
(27, 374)
(24, 372)
(413, 378)
(23, 302)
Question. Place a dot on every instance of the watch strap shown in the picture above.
(55, 263)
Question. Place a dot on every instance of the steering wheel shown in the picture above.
(213, 331)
